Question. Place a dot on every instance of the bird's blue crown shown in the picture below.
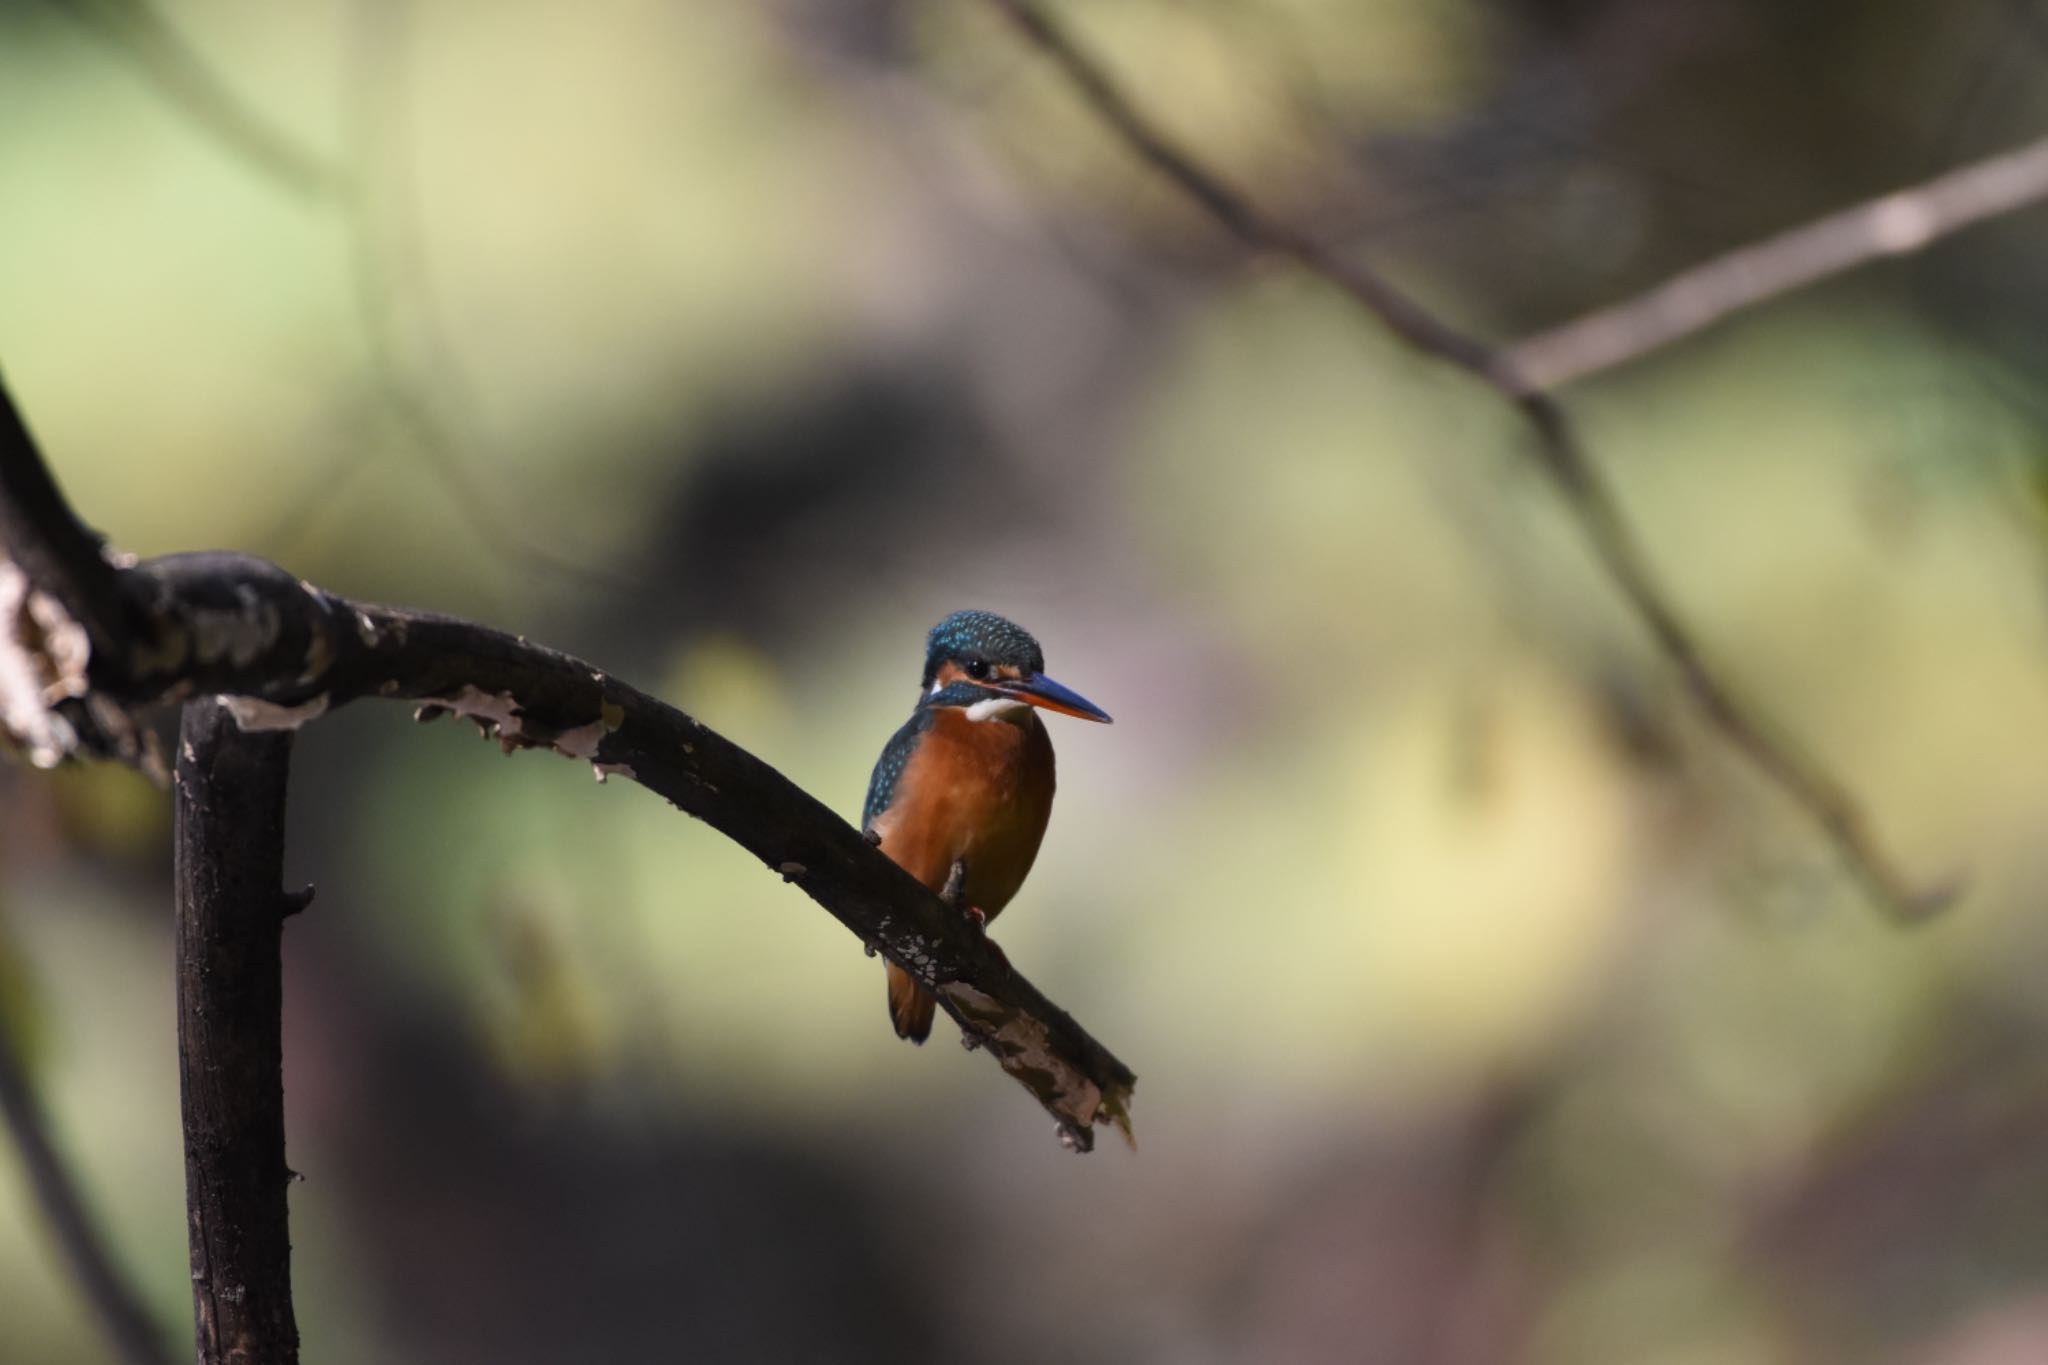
(981, 635)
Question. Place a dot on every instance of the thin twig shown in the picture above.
(182, 74)
(1557, 450)
(115, 1304)
(164, 55)
(1401, 315)
(385, 263)
(1896, 224)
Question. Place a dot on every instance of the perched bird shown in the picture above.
(961, 794)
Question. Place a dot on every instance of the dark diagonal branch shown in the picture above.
(52, 549)
(284, 652)
(1557, 449)
(231, 912)
(114, 1304)
(1896, 224)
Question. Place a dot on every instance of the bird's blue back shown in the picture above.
(895, 758)
(896, 753)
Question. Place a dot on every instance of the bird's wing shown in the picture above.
(889, 767)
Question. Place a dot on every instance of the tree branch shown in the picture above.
(1896, 224)
(1557, 450)
(49, 545)
(114, 1303)
(283, 652)
(231, 912)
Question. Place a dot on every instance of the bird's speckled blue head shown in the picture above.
(990, 666)
(981, 637)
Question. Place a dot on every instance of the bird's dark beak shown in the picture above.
(1043, 692)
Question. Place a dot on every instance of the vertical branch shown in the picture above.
(231, 910)
(113, 1301)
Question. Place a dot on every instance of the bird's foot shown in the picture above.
(976, 917)
(977, 920)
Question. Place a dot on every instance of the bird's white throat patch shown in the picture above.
(995, 707)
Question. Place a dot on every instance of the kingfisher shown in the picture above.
(962, 792)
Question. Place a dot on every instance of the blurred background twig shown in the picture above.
(1525, 374)
(155, 49)
(1896, 224)
(116, 1309)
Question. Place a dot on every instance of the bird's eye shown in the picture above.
(977, 669)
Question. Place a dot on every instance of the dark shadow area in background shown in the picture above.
(793, 514)
(500, 1232)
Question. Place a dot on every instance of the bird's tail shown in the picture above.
(910, 1005)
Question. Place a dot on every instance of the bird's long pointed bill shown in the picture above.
(1043, 692)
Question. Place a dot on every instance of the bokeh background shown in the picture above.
(1485, 1007)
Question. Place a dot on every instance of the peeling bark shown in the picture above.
(43, 654)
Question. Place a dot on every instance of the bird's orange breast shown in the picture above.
(977, 792)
